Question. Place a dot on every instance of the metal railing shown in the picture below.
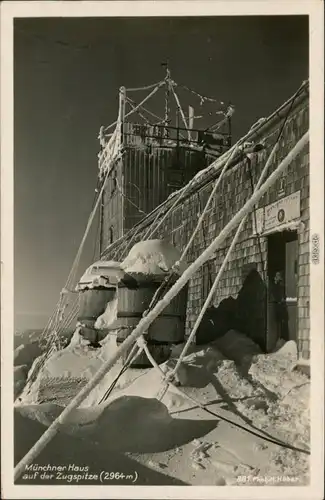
(165, 135)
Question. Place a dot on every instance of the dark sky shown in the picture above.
(67, 75)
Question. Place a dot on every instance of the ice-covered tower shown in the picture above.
(142, 162)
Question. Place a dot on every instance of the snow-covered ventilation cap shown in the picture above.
(101, 273)
(156, 257)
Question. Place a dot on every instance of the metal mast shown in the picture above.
(167, 95)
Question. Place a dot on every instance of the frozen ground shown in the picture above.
(160, 433)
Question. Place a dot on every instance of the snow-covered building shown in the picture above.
(267, 276)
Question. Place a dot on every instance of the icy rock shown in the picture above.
(237, 346)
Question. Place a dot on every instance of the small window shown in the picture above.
(111, 234)
(114, 182)
(207, 279)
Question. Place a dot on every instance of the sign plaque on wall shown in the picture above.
(277, 214)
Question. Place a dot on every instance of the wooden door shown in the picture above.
(291, 286)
